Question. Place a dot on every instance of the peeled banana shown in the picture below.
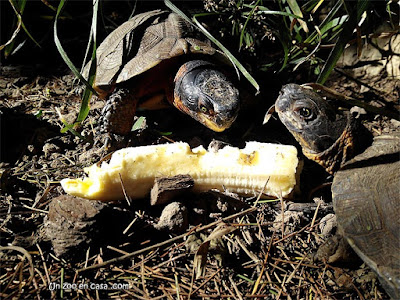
(244, 171)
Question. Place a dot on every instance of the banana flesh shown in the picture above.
(243, 171)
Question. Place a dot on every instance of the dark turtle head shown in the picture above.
(206, 94)
(323, 134)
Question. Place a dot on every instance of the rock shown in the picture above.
(291, 219)
(73, 224)
(335, 250)
(174, 218)
(328, 225)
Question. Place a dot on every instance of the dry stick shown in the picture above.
(41, 277)
(254, 207)
(177, 285)
(26, 255)
(117, 250)
(295, 269)
(142, 273)
(87, 257)
(283, 287)
(36, 288)
(10, 281)
(250, 254)
(204, 283)
(132, 254)
(283, 217)
(257, 283)
(285, 255)
(129, 226)
(313, 221)
(44, 264)
(294, 262)
(227, 289)
(44, 195)
(127, 198)
(239, 295)
(170, 260)
(294, 233)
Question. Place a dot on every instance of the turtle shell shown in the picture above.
(366, 199)
(142, 43)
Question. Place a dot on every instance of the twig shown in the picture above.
(28, 257)
(283, 217)
(313, 221)
(116, 250)
(129, 226)
(127, 198)
(239, 295)
(143, 281)
(257, 283)
(44, 264)
(207, 280)
(35, 209)
(132, 254)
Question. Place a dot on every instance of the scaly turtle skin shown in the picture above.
(155, 55)
(365, 189)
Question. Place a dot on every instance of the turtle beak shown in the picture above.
(217, 123)
(283, 106)
(284, 101)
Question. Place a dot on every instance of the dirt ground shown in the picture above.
(270, 255)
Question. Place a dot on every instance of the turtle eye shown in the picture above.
(203, 109)
(306, 113)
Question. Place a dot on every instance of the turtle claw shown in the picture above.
(113, 142)
(107, 143)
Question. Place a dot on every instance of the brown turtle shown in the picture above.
(157, 55)
(365, 188)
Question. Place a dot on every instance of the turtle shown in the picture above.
(158, 56)
(366, 178)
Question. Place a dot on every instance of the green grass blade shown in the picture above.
(326, 20)
(18, 8)
(345, 36)
(334, 24)
(29, 35)
(266, 11)
(317, 6)
(84, 110)
(242, 69)
(176, 10)
(62, 51)
(285, 51)
(45, 2)
(87, 94)
(304, 59)
(21, 5)
(295, 8)
(233, 59)
(8, 46)
(67, 126)
(138, 124)
(245, 25)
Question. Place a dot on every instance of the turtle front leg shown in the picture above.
(118, 112)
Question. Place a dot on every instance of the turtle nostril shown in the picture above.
(219, 121)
